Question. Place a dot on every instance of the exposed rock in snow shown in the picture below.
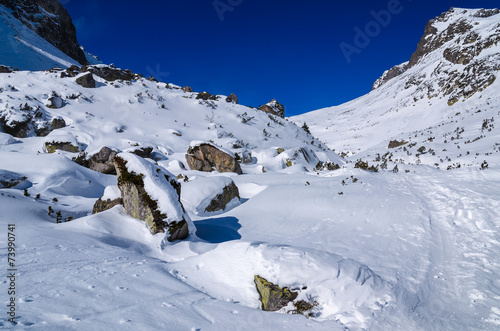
(273, 107)
(152, 194)
(206, 156)
(272, 296)
(86, 80)
(110, 198)
(103, 161)
(232, 98)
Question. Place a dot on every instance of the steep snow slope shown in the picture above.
(443, 103)
(23, 49)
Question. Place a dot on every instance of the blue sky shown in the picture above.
(305, 54)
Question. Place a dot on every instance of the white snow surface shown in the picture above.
(413, 250)
(111, 192)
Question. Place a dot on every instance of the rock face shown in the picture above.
(50, 20)
(390, 74)
(220, 202)
(187, 89)
(467, 65)
(232, 98)
(103, 161)
(273, 297)
(139, 203)
(205, 156)
(87, 81)
(273, 107)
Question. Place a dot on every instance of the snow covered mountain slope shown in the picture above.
(413, 250)
(22, 48)
(443, 102)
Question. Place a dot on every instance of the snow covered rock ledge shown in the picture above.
(152, 194)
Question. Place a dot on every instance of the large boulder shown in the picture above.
(204, 156)
(152, 194)
(273, 107)
(273, 297)
(187, 89)
(232, 98)
(110, 198)
(86, 80)
(57, 123)
(103, 161)
(210, 194)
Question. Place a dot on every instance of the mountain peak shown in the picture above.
(459, 35)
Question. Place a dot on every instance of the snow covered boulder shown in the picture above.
(62, 141)
(103, 161)
(110, 198)
(57, 123)
(272, 296)
(211, 194)
(152, 194)
(9, 179)
(86, 80)
(273, 107)
(55, 101)
(204, 156)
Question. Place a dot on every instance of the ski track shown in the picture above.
(464, 226)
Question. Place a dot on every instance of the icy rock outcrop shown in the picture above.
(151, 194)
(205, 156)
(272, 296)
(273, 107)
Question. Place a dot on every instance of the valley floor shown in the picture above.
(377, 251)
